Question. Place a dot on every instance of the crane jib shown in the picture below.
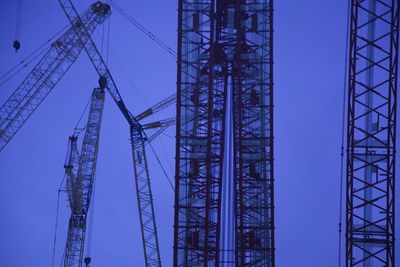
(45, 75)
(143, 187)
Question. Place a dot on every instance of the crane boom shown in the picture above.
(138, 139)
(171, 100)
(94, 55)
(82, 181)
(71, 171)
(47, 73)
(159, 124)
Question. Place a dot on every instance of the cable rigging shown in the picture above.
(342, 137)
(88, 259)
(144, 29)
(56, 222)
(40, 82)
(29, 59)
(124, 72)
(17, 44)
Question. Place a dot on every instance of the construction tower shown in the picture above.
(224, 208)
(371, 132)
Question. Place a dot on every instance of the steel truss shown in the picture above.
(80, 170)
(371, 134)
(142, 179)
(253, 144)
(224, 46)
(199, 139)
(46, 74)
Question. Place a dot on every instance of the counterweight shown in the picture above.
(371, 133)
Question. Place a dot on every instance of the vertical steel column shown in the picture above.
(253, 134)
(200, 140)
(371, 140)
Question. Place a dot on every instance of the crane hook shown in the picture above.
(16, 45)
(87, 260)
(102, 82)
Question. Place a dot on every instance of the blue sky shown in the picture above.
(309, 67)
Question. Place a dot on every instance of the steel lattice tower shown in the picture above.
(371, 135)
(224, 170)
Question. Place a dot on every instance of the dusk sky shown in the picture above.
(309, 68)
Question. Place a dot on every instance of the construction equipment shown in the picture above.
(371, 133)
(39, 83)
(16, 43)
(80, 171)
(224, 190)
(47, 73)
(138, 140)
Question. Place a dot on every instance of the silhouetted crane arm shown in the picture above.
(106, 80)
(71, 171)
(171, 100)
(46, 74)
(159, 124)
(142, 178)
(82, 185)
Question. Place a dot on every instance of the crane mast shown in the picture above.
(47, 73)
(80, 172)
(138, 139)
(371, 133)
(224, 186)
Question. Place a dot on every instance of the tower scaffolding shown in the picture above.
(371, 133)
(224, 209)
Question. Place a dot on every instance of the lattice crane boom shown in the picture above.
(138, 139)
(71, 171)
(46, 74)
(80, 171)
(80, 183)
(157, 107)
(95, 57)
(371, 133)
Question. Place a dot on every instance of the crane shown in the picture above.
(47, 73)
(372, 88)
(80, 171)
(138, 139)
(44, 77)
